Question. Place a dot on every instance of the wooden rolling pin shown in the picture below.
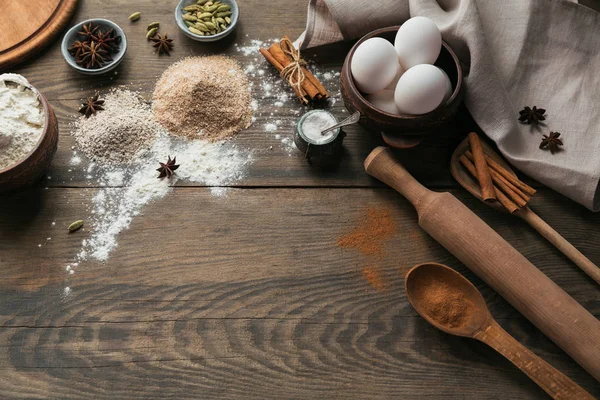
(494, 260)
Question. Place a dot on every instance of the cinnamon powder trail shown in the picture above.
(370, 237)
(374, 277)
(371, 234)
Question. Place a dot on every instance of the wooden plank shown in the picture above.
(276, 164)
(268, 228)
(206, 294)
(249, 295)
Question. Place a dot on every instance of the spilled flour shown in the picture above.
(128, 182)
(275, 105)
(132, 187)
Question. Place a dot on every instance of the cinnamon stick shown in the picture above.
(509, 177)
(308, 75)
(511, 191)
(279, 68)
(483, 173)
(282, 58)
(502, 199)
(497, 176)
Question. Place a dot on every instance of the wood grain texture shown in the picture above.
(29, 26)
(552, 381)
(495, 261)
(249, 296)
(248, 307)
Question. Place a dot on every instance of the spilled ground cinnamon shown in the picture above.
(371, 234)
(370, 237)
(374, 276)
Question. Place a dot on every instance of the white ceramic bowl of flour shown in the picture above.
(28, 133)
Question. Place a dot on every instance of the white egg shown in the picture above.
(384, 101)
(420, 90)
(448, 92)
(418, 41)
(374, 65)
(392, 85)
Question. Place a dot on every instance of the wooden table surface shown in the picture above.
(249, 296)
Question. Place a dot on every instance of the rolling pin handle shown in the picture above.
(381, 164)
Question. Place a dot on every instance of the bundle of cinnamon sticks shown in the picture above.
(283, 56)
(495, 181)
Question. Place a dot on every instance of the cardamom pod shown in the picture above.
(208, 4)
(220, 20)
(201, 27)
(195, 31)
(223, 8)
(212, 8)
(153, 25)
(189, 24)
(75, 226)
(228, 20)
(151, 33)
(201, 2)
(223, 14)
(210, 25)
(135, 16)
(205, 15)
(193, 7)
(190, 17)
(223, 26)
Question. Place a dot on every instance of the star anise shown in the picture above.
(533, 115)
(88, 31)
(77, 48)
(91, 106)
(167, 169)
(163, 44)
(551, 142)
(93, 56)
(108, 41)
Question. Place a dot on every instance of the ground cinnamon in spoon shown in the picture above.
(443, 302)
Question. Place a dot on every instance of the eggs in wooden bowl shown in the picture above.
(406, 101)
(25, 155)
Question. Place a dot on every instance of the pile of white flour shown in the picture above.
(129, 188)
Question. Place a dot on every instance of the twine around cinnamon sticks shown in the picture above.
(495, 181)
(286, 59)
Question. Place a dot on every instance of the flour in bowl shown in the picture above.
(21, 119)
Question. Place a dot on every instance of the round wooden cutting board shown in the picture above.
(29, 25)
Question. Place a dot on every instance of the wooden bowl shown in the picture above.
(30, 169)
(403, 130)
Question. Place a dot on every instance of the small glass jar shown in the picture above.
(308, 138)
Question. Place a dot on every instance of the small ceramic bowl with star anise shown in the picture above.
(95, 46)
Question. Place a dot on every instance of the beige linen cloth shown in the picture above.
(515, 53)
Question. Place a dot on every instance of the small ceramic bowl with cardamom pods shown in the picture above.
(94, 46)
(207, 20)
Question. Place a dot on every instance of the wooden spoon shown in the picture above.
(468, 182)
(432, 288)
